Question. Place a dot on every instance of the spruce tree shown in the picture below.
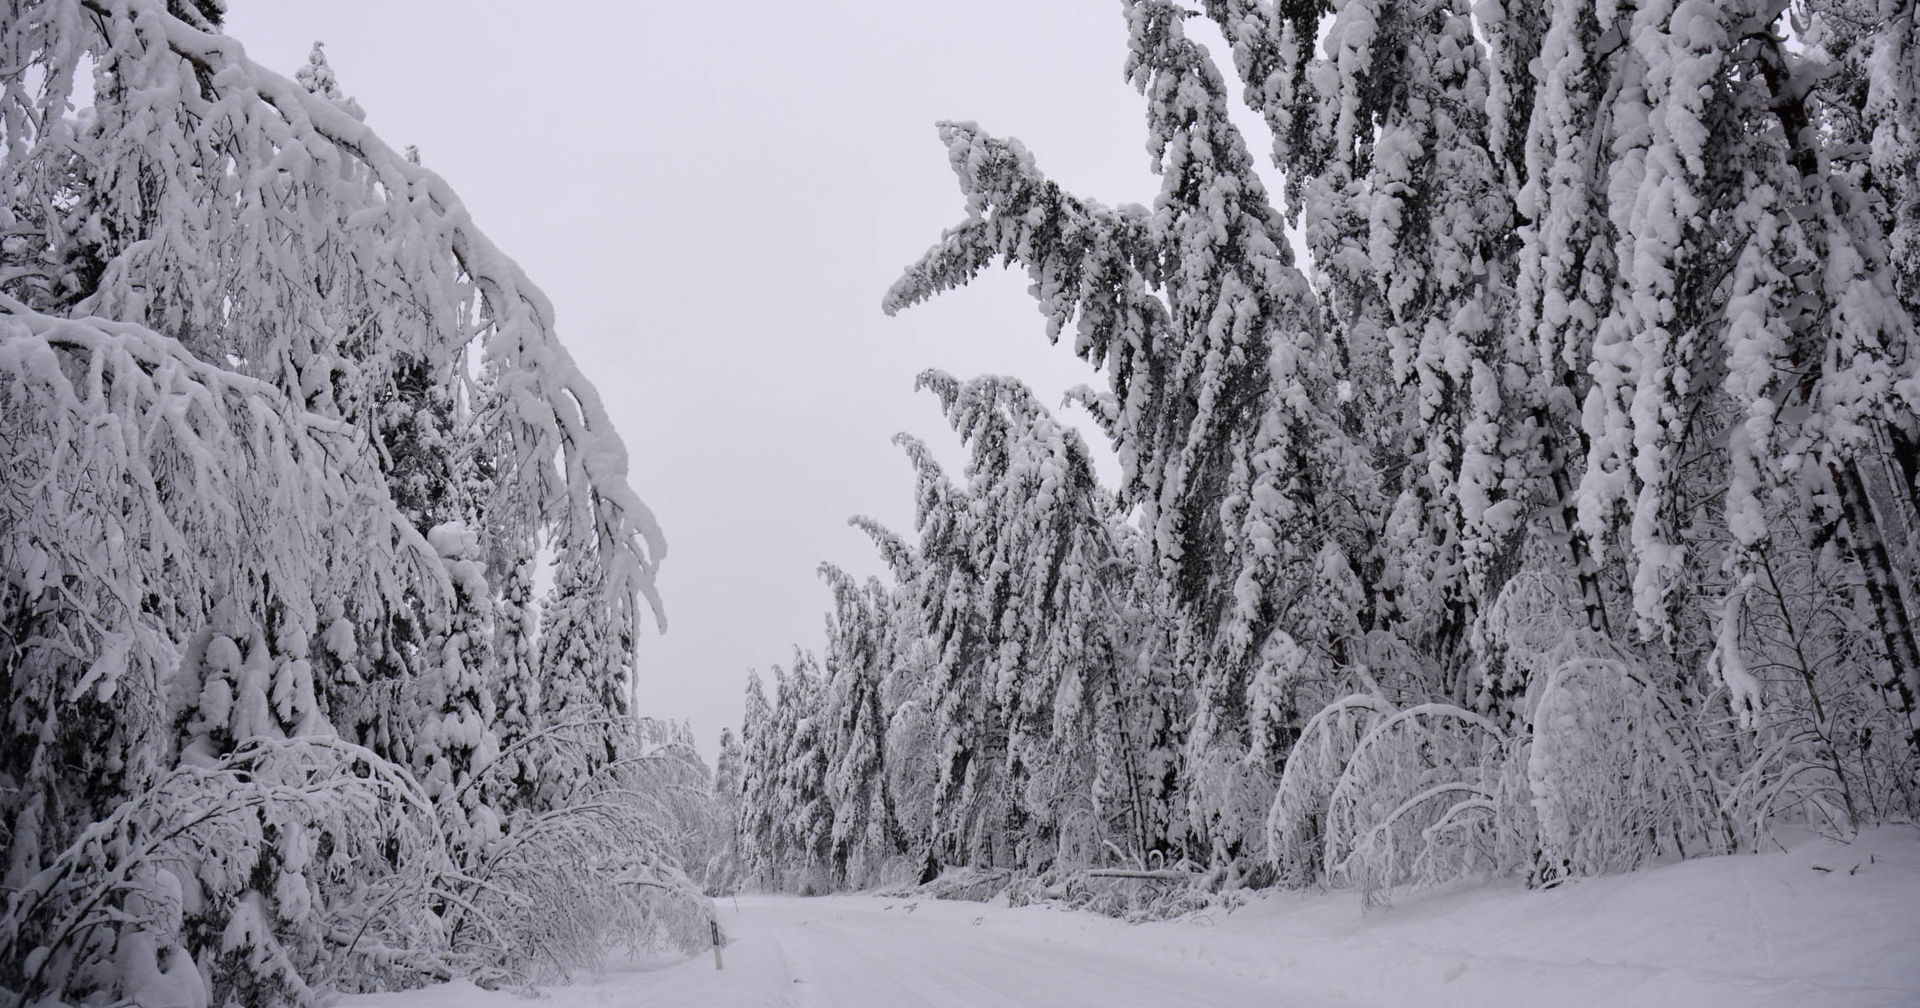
(855, 664)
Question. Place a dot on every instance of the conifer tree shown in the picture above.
(855, 665)
(759, 754)
(724, 872)
(1209, 337)
(803, 829)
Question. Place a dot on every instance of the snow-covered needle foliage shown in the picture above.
(281, 437)
(1572, 475)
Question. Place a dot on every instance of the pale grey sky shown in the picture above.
(715, 196)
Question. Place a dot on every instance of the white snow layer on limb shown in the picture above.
(341, 837)
(1645, 352)
(192, 475)
(423, 283)
(147, 499)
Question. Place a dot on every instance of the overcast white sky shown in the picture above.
(715, 196)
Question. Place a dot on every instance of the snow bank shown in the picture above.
(1822, 925)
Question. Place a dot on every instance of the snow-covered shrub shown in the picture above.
(1227, 793)
(1584, 766)
(1297, 819)
(601, 865)
(1610, 776)
(1817, 750)
(284, 864)
(1619, 772)
(297, 866)
(1591, 761)
(1415, 800)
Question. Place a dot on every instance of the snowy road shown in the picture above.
(853, 952)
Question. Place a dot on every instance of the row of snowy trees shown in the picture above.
(283, 443)
(1559, 513)
(998, 703)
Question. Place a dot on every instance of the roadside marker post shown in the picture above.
(714, 925)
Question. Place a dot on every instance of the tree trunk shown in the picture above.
(1886, 591)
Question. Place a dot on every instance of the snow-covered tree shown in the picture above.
(456, 691)
(803, 829)
(787, 815)
(855, 664)
(1218, 389)
(517, 685)
(1055, 607)
(757, 783)
(963, 720)
(585, 666)
(1006, 702)
(725, 868)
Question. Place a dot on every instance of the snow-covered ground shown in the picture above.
(1821, 925)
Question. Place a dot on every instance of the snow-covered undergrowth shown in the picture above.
(1143, 895)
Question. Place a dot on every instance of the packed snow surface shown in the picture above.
(1821, 925)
